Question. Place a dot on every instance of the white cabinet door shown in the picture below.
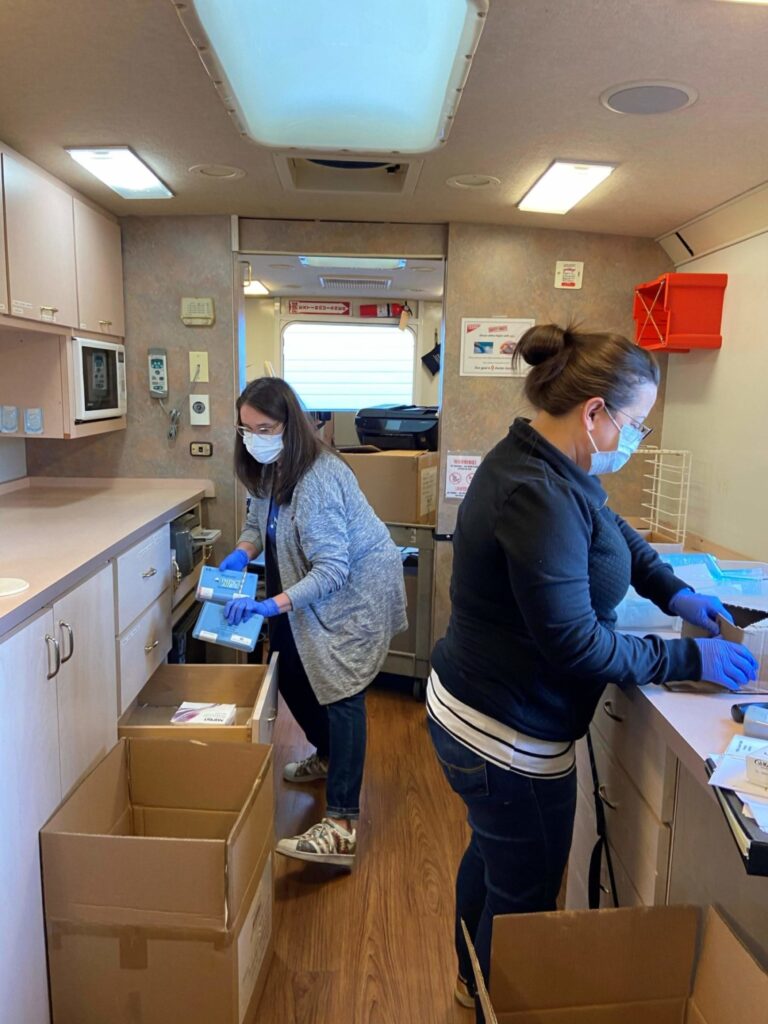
(99, 260)
(87, 682)
(30, 790)
(41, 246)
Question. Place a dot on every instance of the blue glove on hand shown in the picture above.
(699, 610)
(236, 560)
(731, 665)
(242, 608)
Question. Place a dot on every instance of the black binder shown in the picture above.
(751, 841)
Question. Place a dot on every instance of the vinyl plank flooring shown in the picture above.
(374, 946)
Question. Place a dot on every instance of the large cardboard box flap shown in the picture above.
(730, 985)
(401, 486)
(160, 834)
(635, 965)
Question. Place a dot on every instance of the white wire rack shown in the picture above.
(666, 484)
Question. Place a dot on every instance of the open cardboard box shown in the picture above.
(751, 629)
(251, 688)
(636, 965)
(401, 486)
(157, 876)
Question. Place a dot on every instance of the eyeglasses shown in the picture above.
(262, 431)
(642, 429)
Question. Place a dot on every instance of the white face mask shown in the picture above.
(265, 448)
(610, 462)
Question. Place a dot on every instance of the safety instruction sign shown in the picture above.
(488, 344)
(459, 470)
(319, 307)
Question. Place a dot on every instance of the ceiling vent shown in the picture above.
(350, 285)
(313, 174)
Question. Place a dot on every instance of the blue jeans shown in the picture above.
(337, 731)
(521, 837)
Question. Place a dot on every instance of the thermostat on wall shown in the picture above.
(197, 312)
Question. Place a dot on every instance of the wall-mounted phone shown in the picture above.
(158, 372)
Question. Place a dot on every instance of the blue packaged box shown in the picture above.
(221, 585)
(212, 627)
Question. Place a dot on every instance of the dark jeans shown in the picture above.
(337, 731)
(521, 837)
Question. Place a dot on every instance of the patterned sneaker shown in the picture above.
(326, 843)
(462, 993)
(311, 768)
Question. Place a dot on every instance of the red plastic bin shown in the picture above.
(678, 312)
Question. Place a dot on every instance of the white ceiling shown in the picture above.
(87, 72)
(284, 275)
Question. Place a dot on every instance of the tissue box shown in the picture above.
(757, 767)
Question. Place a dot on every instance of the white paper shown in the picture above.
(459, 470)
(488, 344)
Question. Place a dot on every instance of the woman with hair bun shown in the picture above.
(539, 565)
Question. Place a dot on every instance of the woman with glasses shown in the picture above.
(335, 598)
(539, 565)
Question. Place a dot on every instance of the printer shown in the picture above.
(398, 427)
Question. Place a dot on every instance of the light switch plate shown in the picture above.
(199, 411)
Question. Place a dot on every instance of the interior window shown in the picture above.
(348, 367)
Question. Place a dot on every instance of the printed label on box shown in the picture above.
(428, 501)
(253, 939)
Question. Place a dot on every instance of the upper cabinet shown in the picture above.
(41, 246)
(99, 263)
(65, 263)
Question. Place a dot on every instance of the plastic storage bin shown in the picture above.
(678, 312)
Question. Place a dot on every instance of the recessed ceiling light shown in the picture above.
(563, 185)
(254, 287)
(648, 97)
(473, 181)
(353, 262)
(222, 172)
(120, 169)
(343, 78)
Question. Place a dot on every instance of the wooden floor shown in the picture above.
(374, 946)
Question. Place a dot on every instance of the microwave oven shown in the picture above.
(100, 391)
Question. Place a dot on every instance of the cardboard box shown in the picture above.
(157, 874)
(636, 965)
(252, 688)
(751, 629)
(401, 486)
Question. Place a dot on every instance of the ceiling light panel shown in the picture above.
(339, 75)
(353, 262)
(563, 185)
(253, 287)
(120, 169)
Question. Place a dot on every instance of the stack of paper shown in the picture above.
(192, 713)
(731, 773)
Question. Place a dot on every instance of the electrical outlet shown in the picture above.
(199, 411)
(202, 449)
(198, 367)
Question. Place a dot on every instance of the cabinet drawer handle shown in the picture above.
(62, 627)
(608, 709)
(271, 719)
(601, 792)
(52, 642)
(49, 309)
(148, 573)
(151, 647)
(106, 323)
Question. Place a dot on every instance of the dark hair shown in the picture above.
(570, 366)
(301, 445)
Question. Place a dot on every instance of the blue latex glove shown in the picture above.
(731, 665)
(699, 610)
(237, 560)
(242, 608)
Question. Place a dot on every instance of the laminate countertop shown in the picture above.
(55, 532)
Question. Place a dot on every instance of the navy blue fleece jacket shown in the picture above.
(539, 565)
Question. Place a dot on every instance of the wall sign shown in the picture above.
(488, 344)
(319, 307)
(568, 274)
(460, 467)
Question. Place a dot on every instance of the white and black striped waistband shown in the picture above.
(498, 743)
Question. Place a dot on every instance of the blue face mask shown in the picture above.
(611, 462)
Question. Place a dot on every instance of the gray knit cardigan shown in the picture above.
(343, 574)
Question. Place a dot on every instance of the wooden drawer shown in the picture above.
(142, 574)
(252, 688)
(142, 648)
(639, 749)
(640, 839)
